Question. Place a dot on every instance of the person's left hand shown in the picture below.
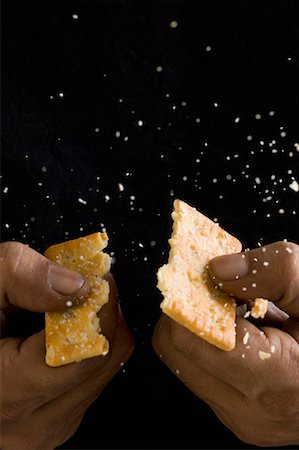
(42, 406)
(256, 398)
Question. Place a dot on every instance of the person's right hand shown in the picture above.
(42, 406)
(253, 389)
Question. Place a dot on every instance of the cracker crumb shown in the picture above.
(264, 355)
(246, 338)
(259, 308)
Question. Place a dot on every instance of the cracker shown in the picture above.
(190, 297)
(74, 334)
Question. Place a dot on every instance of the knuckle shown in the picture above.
(279, 404)
(12, 255)
(290, 258)
(258, 436)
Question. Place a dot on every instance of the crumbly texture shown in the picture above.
(74, 334)
(190, 297)
(259, 309)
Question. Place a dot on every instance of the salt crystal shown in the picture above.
(61, 94)
(289, 250)
(173, 24)
(117, 134)
(5, 190)
(121, 187)
(140, 123)
(208, 48)
(75, 16)
(80, 200)
(159, 68)
(237, 119)
(258, 116)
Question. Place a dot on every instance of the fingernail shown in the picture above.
(230, 267)
(64, 281)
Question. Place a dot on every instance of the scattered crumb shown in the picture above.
(259, 308)
(264, 355)
(246, 338)
(294, 186)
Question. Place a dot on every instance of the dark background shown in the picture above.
(57, 149)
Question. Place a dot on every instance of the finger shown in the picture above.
(30, 281)
(234, 367)
(270, 272)
(38, 382)
(209, 388)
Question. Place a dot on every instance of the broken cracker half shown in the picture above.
(190, 298)
(74, 334)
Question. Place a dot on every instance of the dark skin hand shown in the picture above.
(257, 399)
(42, 406)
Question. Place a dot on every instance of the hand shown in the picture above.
(42, 406)
(258, 399)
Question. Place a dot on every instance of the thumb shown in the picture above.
(30, 281)
(271, 272)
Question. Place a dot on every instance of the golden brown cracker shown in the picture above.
(190, 297)
(73, 334)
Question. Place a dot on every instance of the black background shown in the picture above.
(104, 63)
